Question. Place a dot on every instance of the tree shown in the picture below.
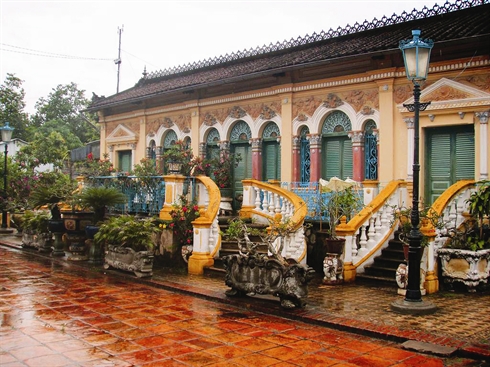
(12, 105)
(48, 148)
(64, 105)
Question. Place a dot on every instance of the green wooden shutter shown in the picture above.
(440, 170)
(450, 158)
(347, 165)
(125, 161)
(331, 158)
(337, 158)
(272, 161)
(465, 156)
(241, 171)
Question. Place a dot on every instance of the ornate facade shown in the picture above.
(328, 105)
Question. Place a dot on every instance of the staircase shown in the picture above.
(231, 247)
(383, 270)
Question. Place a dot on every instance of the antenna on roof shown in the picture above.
(118, 60)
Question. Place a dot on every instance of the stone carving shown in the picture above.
(209, 119)
(480, 81)
(333, 268)
(366, 110)
(251, 272)
(302, 117)
(446, 93)
(267, 113)
(359, 99)
(125, 258)
(332, 101)
(167, 122)
(305, 106)
(237, 112)
(402, 93)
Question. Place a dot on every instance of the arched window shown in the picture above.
(305, 159)
(212, 144)
(336, 146)
(271, 153)
(370, 151)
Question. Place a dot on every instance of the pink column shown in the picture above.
(315, 156)
(296, 158)
(357, 156)
(256, 159)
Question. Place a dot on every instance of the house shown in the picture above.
(329, 104)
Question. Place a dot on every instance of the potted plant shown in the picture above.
(98, 199)
(35, 231)
(179, 159)
(341, 201)
(465, 256)
(128, 243)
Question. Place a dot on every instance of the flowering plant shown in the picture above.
(202, 167)
(183, 214)
(181, 154)
(92, 167)
(222, 168)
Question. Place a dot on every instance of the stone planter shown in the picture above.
(259, 274)
(333, 266)
(464, 268)
(40, 241)
(125, 258)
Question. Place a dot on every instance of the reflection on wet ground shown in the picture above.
(61, 314)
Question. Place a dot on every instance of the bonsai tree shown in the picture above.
(342, 201)
(99, 198)
(127, 231)
(479, 207)
(474, 233)
(51, 189)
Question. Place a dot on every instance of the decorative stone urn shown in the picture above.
(259, 274)
(466, 268)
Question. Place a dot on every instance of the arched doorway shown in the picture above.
(212, 144)
(240, 136)
(336, 146)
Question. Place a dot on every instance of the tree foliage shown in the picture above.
(63, 108)
(48, 148)
(12, 105)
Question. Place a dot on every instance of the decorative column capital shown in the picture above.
(296, 141)
(482, 116)
(315, 139)
(409, 121)
(356, 137)
(224, 145)
(256, 144)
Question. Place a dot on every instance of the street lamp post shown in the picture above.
(416, 55)
(6, 137)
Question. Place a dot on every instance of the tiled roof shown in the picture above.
(459, 20)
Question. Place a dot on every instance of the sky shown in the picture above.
(51, 43)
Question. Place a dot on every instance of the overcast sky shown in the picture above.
(47, 43)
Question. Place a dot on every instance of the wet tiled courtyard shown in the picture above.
(57, 313)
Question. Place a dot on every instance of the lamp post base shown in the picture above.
(413, 308)
(6, 230)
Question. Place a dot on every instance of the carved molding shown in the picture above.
(447, 93)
